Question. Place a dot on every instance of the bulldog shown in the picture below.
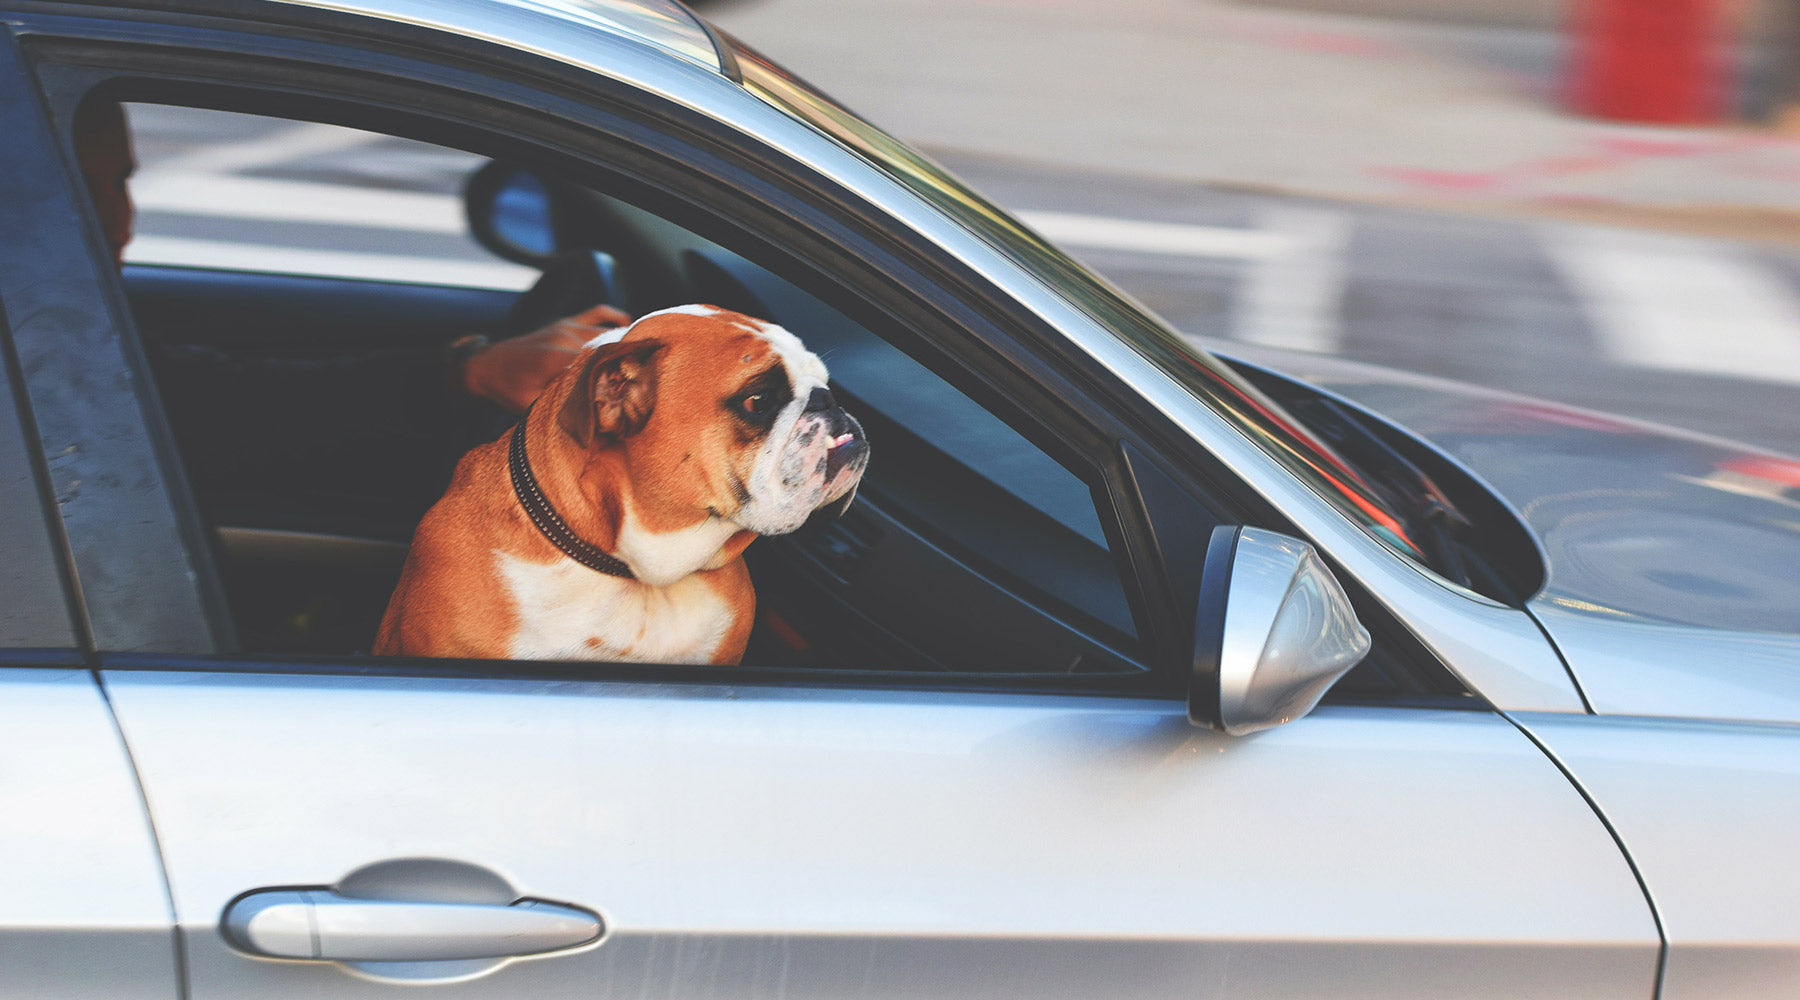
(610, 524)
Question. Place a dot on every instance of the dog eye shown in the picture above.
(755, 404)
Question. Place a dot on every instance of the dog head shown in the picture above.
(716, 413)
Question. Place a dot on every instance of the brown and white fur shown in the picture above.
(671, 445)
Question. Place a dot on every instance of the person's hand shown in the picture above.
(512, 372)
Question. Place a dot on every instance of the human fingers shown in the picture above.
(563, 334)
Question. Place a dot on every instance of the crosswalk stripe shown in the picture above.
(1176, 239)
(234, 256)
(226, 196)
(282, 145)
(1684, 304)
(1291, 300)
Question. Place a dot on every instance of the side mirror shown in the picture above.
(510, 212)
(1274, 631)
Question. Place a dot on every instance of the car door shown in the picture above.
(360, 827)
(83, 907)
(754, 840)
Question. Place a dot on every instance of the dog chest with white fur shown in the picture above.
(611, 524)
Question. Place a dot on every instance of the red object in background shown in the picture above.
(1648, 60)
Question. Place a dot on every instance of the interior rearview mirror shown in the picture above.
(1273, 632)
(510, 211)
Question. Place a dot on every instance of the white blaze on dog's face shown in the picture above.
(813, 453)
(719, 414)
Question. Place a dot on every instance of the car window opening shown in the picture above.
(297, 284)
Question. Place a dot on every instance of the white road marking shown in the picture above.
(185, 191)
(226, 255)
(1170, 238)
(189, 192)
(225, 196)
(291, 143)
(1291, 299)
(1682, 303)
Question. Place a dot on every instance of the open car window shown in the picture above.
(313, 417)
(242, 192)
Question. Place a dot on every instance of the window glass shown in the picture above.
(313, 412)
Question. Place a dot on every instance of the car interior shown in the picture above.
(316, 426)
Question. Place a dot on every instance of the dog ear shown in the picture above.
(614, 394)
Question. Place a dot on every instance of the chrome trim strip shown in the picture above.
(550, 28)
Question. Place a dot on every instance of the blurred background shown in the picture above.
(1593, 201)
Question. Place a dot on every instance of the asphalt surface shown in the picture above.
(1496, 302)
(1696, 333)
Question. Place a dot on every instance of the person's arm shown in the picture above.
(512, 372)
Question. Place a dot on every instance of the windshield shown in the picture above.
(1252, 412)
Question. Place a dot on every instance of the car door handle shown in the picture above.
(321, 925)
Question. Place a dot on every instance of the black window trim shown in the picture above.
(37, 588)
(102, 466)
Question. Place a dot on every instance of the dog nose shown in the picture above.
(820, 400)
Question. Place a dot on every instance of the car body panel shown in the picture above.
(84, 912)
(756, 841)
(1651, 668)
(1706, 811)
(1673, 584)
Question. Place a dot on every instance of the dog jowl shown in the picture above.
(612, 523)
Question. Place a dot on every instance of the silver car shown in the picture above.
(1133, 671)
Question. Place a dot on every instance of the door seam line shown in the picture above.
(178, 938)
(1662, 935)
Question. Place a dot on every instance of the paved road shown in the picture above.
(1703, 334)
(1697, 333)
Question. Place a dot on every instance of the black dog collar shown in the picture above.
(549, 523)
